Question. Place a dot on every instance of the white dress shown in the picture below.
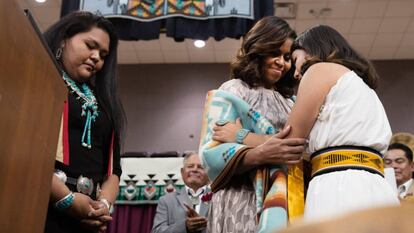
(351, 115)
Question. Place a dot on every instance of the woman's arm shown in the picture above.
(228, 132)
(110, 186)
(276, 150)
(110, 189)
(314, 86)
(254, 139)
(80, 208)
(107, 197)
(58, 189)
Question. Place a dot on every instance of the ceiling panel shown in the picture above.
(304, 9)
(126, 46)
(302, 25)
(370, 10)
(408, 40)
(224, 56)
(387, 40)
(168, 43)
(382, 53)
(362, 39)
(410, 27)
(176, 56)
(146, 57)
(206, 56)
(342, 25)
(364, 50)
(148, 45)
(370, 25)
(343, 9)
(395, 25)
(400, 8)
(127, 57)
(405, 52)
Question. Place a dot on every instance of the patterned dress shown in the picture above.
(233, 209)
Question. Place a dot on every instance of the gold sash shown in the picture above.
(345, 158)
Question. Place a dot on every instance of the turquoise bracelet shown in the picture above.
(65, 202)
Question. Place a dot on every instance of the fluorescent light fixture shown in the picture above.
(41, 1)
(199, 43)
(285, 10)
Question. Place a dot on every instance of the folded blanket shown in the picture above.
(221, 160)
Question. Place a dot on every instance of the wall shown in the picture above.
(396, 92)
(164, 103)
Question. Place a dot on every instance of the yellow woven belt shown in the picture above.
(337, 159)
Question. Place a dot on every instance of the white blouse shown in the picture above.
(351, 115)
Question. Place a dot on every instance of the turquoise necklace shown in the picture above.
(89, 107)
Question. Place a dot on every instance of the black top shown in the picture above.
(92, 163)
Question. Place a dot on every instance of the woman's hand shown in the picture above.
(94, 225)
(100, 211)
(227, 132)
(81, 206)
(277, 150)
(98, 216)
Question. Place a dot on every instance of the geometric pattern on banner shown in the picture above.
(145, 180)
(150, 189)
(140, 198)
(149, 10)
(130, 190)
(170, 184)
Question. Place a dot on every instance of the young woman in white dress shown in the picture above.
(339, 112)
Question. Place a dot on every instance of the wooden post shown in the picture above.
(31, 103)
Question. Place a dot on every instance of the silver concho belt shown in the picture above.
(83, 184)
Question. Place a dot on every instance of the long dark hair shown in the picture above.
(105, 85)
(325, 44)
(263, 40)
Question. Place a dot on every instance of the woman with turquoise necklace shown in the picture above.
(87, 167)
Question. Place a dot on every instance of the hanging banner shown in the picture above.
(145, 180)
(150, 10)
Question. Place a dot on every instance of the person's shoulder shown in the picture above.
(168, 196)
(235, 86)
(234, 82)
(330, 69)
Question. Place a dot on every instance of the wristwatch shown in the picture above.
(241, 134)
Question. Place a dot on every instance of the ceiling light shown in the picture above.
(41, 1)
(199, 43)
(285, 10)
(324, 12)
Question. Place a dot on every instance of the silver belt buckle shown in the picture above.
(84, 185)
(61, 175)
